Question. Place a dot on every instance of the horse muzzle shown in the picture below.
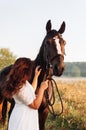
(58, 69)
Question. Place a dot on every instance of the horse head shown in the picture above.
(53, 49)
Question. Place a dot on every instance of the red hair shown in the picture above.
(20, 72)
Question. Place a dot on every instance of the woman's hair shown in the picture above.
(20, 72)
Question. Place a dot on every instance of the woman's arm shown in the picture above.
(35, 80)
(37, 102)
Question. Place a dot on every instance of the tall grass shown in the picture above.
(73, 93)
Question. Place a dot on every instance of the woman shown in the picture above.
(25, 114)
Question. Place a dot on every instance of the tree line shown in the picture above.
(75, 69)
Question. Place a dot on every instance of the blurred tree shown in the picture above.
(75, 71)
(6, 57)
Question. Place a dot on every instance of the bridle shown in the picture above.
(48, 101)
(48, 75)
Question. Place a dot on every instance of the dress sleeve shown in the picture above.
(26, 95)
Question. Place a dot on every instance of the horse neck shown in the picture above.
(39, 61)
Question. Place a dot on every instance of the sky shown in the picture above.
(23, 22)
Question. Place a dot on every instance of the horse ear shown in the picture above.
(62, 28)
(48, 26)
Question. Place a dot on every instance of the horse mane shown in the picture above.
(39, 62)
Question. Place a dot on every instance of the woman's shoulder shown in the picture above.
(25, 89)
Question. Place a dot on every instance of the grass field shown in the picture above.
(73, 93)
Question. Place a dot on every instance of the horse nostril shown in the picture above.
(61, 67)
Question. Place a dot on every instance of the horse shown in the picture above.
(51, 60)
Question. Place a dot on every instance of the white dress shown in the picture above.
(22, 116)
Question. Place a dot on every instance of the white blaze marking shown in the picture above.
(58, 45)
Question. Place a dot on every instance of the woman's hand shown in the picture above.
(44, 85)
(37, 71)
(37, 101)
(35, 80)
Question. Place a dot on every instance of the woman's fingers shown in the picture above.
(38, 70)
